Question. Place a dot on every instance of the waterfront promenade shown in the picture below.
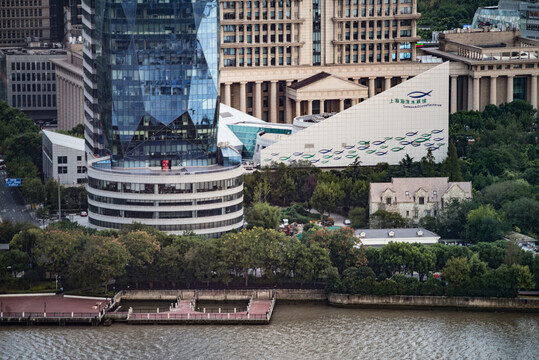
(185, 312)
(51, 308)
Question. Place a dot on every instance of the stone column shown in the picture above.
(341, 105)
(510, 88)
(387, 83)
(454, 93)
(476, 82)
(298, 108)
(309, 107)
(287, 104)
(404, 78)
(493, 90)
(322, 106)
(257, 100)
(227, 94)
(371, 86)
(273, 102)
(470, 94)
(243, 97)
(533, 91)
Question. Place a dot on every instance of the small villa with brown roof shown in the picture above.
(415, 198)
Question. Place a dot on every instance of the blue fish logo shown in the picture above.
(418, 94)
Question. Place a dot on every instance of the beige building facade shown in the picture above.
(70, 90)
(415, 198)
(266, 46)
(22, 19)
(489, 67)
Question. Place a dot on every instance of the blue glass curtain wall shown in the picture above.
(157, 80)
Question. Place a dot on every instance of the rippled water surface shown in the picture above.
(295, 332)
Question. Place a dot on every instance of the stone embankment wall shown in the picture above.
(221, 295)
(427, 302)
(366, 301)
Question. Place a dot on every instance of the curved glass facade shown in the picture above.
(157, 81)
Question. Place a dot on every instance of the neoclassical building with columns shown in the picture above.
(267, 47)
(489, 67)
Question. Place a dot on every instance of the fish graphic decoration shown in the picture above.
(437, 131)
(418, 94)
(411, 133)
(325, 151)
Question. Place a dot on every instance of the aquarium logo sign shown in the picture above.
(415, 99)
(418, 94)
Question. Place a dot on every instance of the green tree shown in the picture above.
(523, 213)
(451, 165)
(13, 262)
(523, 276)
(143, 249)
(456, 271)
(490, 253)
(326, 197)
(171, 264)
(484, 224)
(263, 215)
(33, 190)
(383, 219)
(477, 267)
(98, 262)
(56, 249)
(359, 217)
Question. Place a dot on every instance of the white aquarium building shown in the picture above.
(408, 119)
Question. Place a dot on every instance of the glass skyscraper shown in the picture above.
(151, 111)
(157, 81)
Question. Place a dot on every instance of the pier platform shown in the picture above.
(258, 312)
(51, 309)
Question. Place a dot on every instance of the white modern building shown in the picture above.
(63, 158)
(415, 198)
(205, 200)
(381, 237)
(408, 119)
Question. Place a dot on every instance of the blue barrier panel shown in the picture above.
(13, 182)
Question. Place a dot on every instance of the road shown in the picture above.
(12, 206)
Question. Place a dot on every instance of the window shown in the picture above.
(416, 214)
(62, 159)
(62, 169)
(421, 200)
(427, 212)
(79, 158)
(388, 201)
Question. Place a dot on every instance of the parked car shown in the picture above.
(83, 213)
(347, 222)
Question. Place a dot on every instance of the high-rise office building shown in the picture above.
(20, 20)
(151, 112)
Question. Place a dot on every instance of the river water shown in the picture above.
(295, 332)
